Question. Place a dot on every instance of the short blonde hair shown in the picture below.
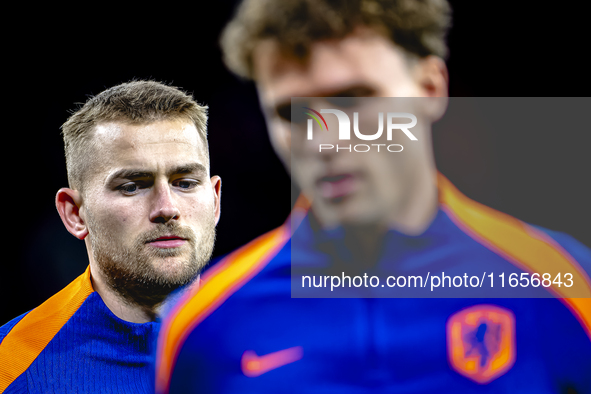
(133, 102)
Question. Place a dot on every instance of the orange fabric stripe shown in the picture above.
(298, 212)
(229, 276)
(528, 248)
(32, 333)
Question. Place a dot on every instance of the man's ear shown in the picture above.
(67, 202)
(216, 185)
(432, 76)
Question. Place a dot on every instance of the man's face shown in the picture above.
(150, 206)
(346, 188)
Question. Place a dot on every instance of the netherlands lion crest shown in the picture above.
(481, 342)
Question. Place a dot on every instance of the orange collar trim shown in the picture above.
(32, 333)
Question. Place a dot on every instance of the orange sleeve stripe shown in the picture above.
(525, 246)
(32, 333)
(230, 274)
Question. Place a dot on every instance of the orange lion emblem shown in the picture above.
(481, 342)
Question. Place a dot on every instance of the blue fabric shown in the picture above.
(94, 352)
(380, 345)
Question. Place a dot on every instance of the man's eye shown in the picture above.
(284, 112)
(186, 184)
(129, 188)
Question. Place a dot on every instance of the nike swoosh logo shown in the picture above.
(253, 365)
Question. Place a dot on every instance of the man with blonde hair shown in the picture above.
(141, 197)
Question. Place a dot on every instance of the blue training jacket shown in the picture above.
(242, 332)
(73, 343)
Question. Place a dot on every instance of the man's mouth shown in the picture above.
(337, 185)
(168, 241)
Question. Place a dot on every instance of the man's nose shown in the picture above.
(323, 146)
(164, 207)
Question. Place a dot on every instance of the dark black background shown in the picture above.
(55, 58)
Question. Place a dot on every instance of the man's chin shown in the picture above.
(174, 269)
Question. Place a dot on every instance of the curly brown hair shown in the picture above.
(418, 26)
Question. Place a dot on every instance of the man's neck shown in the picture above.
(121, 307)
(418, 209)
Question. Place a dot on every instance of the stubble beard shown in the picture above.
(145, 275)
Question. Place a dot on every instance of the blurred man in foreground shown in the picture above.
(243, 332)
(142, 199)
